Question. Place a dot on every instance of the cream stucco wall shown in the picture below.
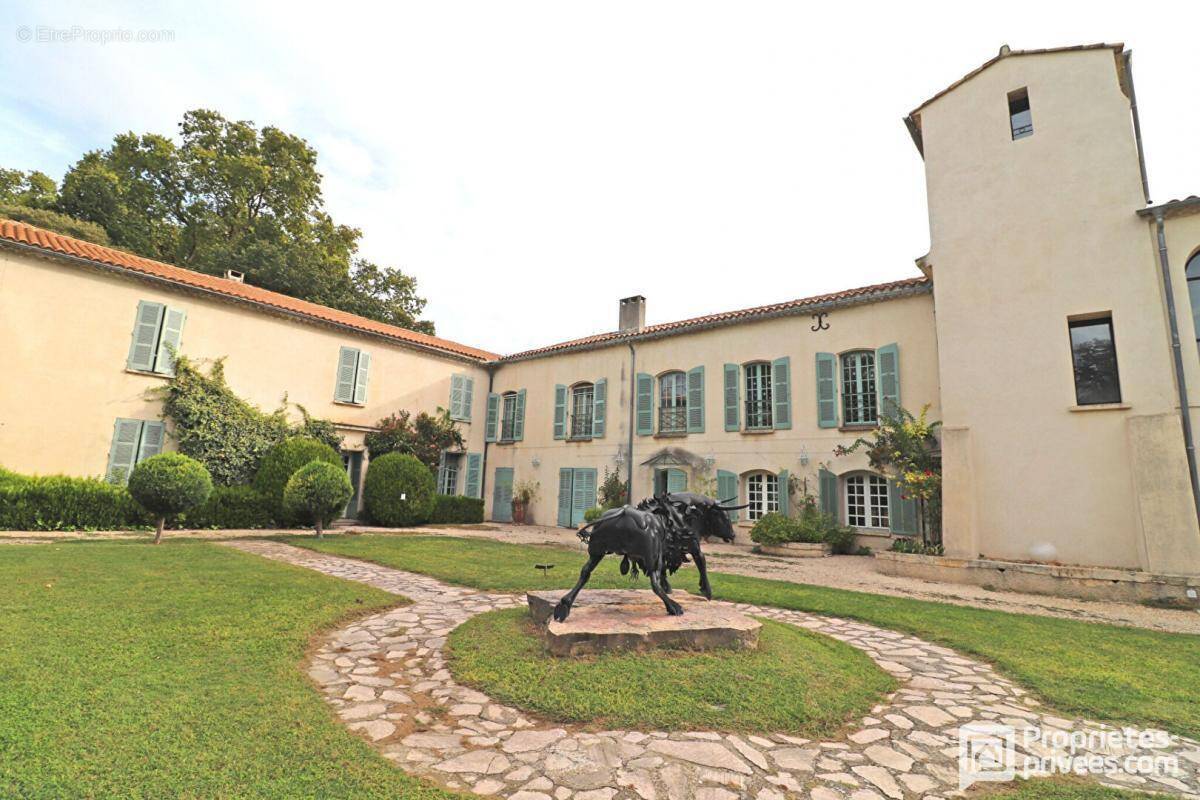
(1026, 235)
(67, 329)
(907, 322)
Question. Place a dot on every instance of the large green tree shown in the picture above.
(226, 195)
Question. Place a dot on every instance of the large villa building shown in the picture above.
(1052, 327)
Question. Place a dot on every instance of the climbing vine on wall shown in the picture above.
(226, 433)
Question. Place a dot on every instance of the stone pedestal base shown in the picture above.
(605, 620)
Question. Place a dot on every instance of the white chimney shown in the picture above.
(235, 276)
(633, 313)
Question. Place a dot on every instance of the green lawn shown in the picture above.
(1071, 788)
(134, 671)
(796, 680)
(1113, 673)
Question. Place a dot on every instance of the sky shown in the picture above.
(530, 163)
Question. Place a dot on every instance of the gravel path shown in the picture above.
(387, 679)
(856, 573)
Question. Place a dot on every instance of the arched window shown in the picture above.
(762, 493)
(508, 416)
(866, 501)
(1193, 281)
(672, 403)
(758, 395)
(859, 405)
(582, 404)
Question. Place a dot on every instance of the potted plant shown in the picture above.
(524, 493)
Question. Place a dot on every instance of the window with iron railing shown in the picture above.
(672, 403)
(508, 417)
(758, 396)
(582, 406)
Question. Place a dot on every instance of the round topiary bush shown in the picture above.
(169, 484)
(281, 462)
(775, 528)
(316, 493)
(399, 491)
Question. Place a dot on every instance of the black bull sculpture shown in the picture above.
(657, 536)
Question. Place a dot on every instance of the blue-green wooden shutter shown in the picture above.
(347, 371)
(362, 374)
(585, 493)
(560, 412)
(456, 397)
(781, 486)
(903, 513)
(732, 396)
(781, 393)
(727, 489)
(474, 471)
(827, 484)
(153, 433)
(169, 340)
(599, 407)
(645, 404)
(468, 397)
(676, 480)
(827, 390)
(519, 417)
(122, 453)
(566, 491)
(441, 474)
(146, 328)
(695, 400)
(492, 427)
(887, 364)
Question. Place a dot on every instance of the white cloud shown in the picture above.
(531, 163)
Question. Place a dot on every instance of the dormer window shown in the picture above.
(1019, 115)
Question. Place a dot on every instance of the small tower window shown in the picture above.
(1019, 115)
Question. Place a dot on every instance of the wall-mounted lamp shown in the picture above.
(619, 458)
(537, 462)
(803, 456)
(709, 460)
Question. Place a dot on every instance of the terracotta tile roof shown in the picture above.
(50, 242)
(863, 294)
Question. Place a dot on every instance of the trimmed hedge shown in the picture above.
(457, 509)
(232, 507)
(316, 493)
(393, 475)
(59, 502)
(281, 462)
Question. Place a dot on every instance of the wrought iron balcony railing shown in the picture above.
(581, 426)
(672, 419)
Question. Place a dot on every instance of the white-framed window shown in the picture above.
(583, 397)
(866, 501)
(758, 395)
(448, 477)
(508, 416)
(672, 403)
(762, 493)
(859, 402)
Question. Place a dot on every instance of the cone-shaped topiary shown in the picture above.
(399, 491)
(316, 493)
(281, 462)
(169, 484)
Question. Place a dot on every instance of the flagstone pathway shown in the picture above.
(387, 679)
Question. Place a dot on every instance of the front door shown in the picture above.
(502, 487)
(353, 460)
(669, 480)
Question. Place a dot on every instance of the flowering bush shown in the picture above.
(905, 448)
